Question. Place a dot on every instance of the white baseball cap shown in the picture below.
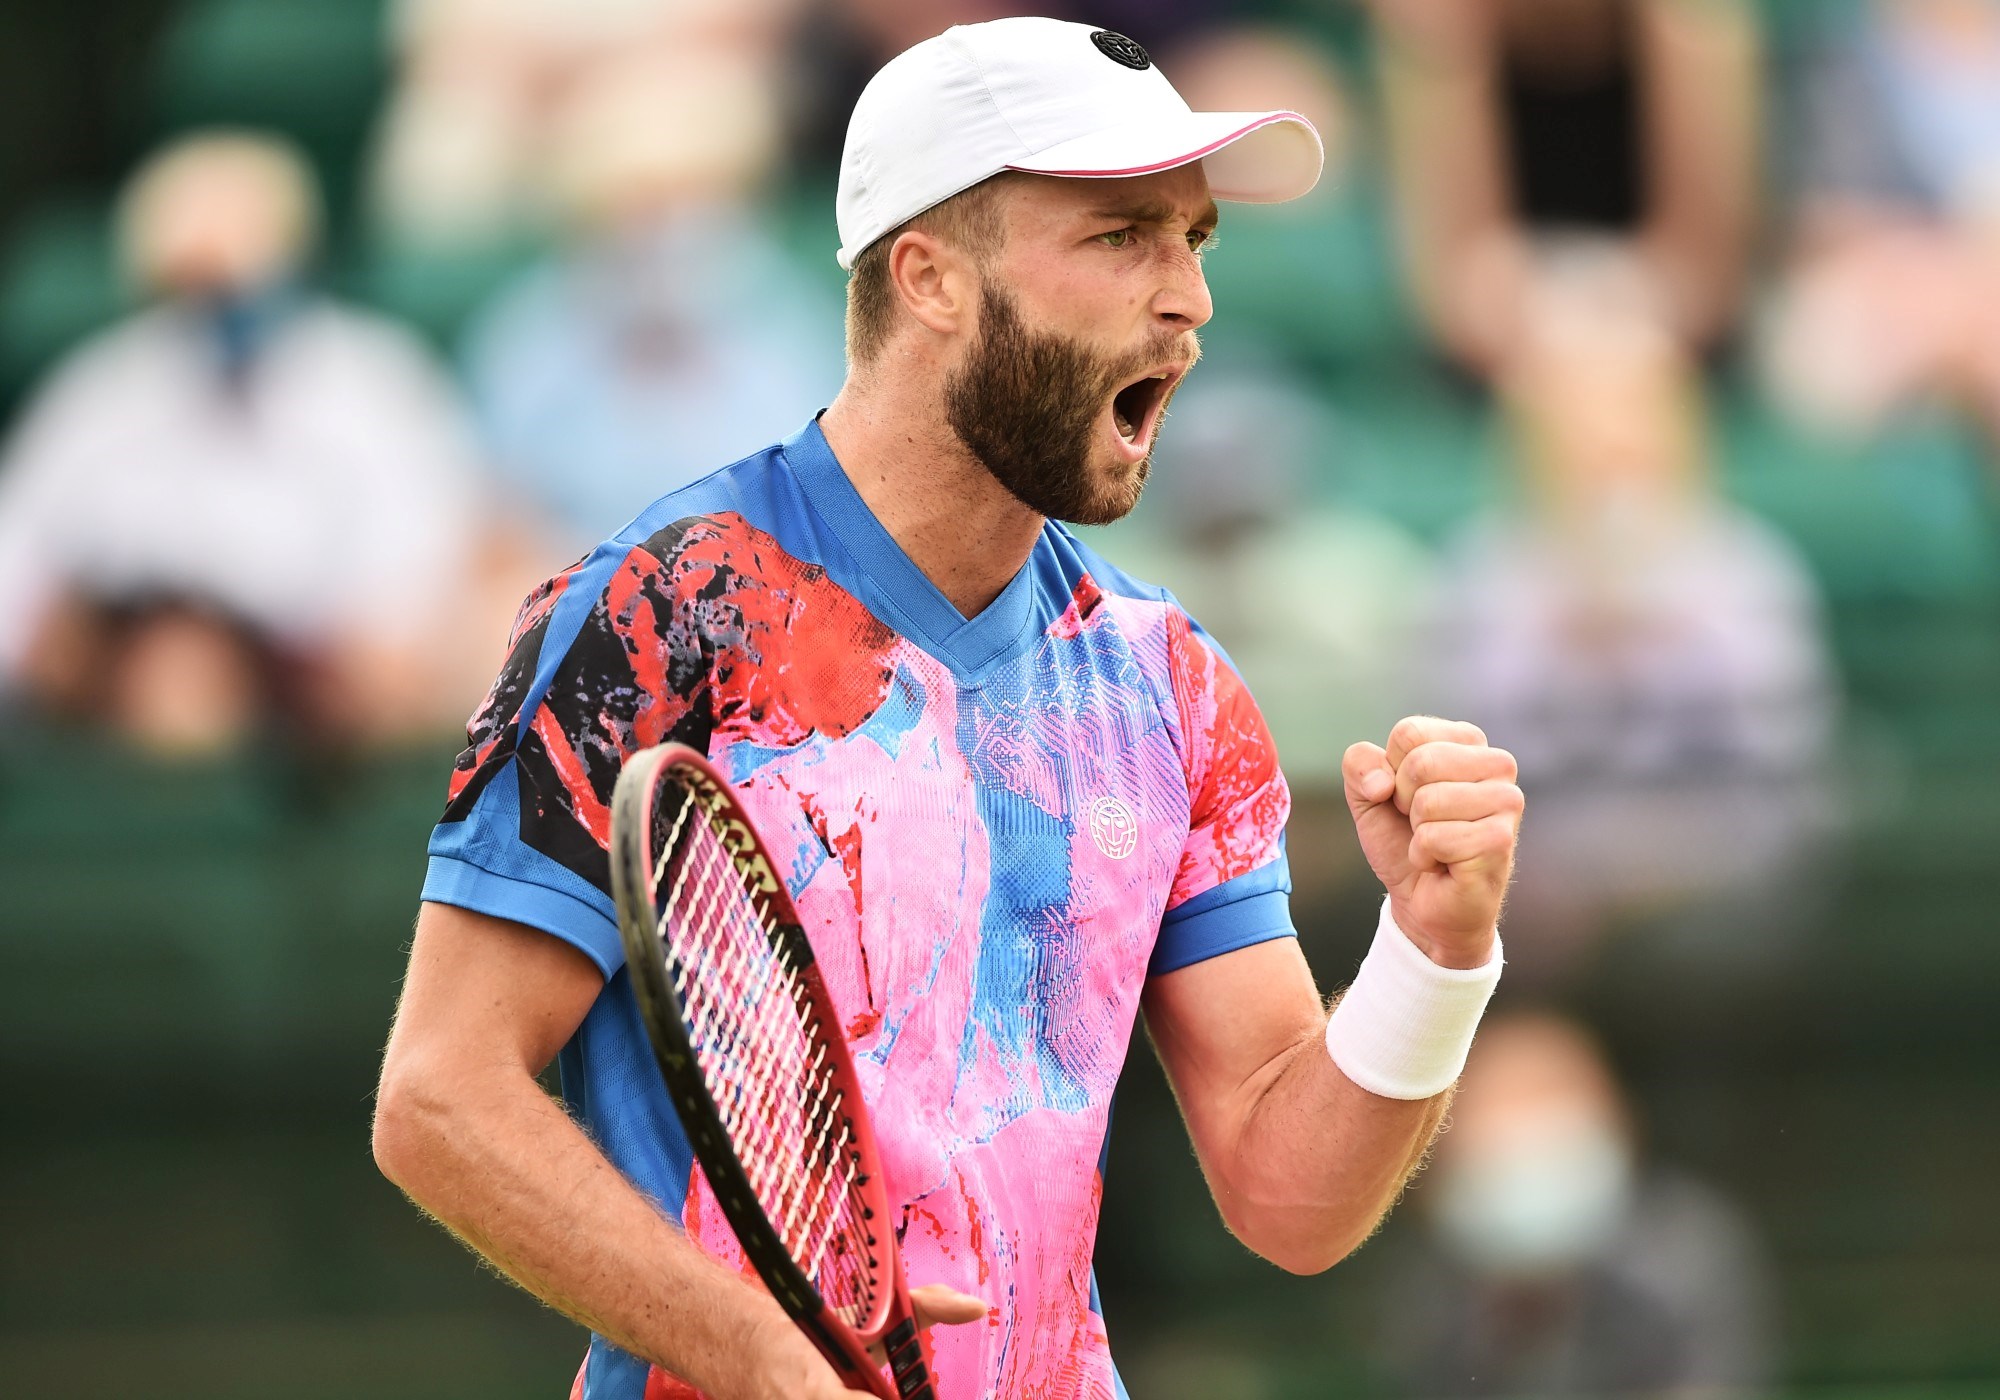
(1054, 98)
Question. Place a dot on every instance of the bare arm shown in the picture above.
(462, 1126)
(1468, 261)
(1704, 137)
(1302, 1161)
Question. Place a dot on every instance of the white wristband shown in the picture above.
(1404, 1027)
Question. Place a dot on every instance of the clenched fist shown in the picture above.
(1438, 813)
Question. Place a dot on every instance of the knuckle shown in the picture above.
(1445, 835)
(1422, 764)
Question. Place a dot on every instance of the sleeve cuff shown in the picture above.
(590, 930)
(1191, 936)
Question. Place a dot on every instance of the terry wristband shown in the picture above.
(1404, 1027)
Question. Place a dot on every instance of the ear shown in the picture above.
(937, 283)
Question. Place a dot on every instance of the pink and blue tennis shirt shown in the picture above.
(996, 830)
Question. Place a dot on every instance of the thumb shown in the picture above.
(1370, 783)
(935, 1304)
(1368, 778)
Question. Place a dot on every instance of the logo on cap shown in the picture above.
(1120, 49)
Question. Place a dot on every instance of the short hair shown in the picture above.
(969, 220)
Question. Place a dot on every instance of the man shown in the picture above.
(1559, 1260)
(239, 508)
(1016, 791)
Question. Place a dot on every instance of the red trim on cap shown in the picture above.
(1272, 120)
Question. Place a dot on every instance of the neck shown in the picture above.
(959, 525)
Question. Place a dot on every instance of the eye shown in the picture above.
(1117, 238)
(1201, 239)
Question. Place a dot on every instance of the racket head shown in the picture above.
(717, 957)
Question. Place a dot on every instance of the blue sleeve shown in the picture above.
(481, 863)
(1254, 907)
(526, 822)
(611, 656)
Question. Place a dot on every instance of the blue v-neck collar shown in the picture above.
(920, 611)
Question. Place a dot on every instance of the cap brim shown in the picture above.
(1251, 157)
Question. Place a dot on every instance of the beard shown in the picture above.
(1027, 404)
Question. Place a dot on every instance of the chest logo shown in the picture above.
(1113, 828)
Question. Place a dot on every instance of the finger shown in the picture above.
(937, 1305)
(1464, 802)
(1442, 761)
(1369, 779)
(1465, 847)
(1419, 730)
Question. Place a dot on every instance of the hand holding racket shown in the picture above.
(750, 1046)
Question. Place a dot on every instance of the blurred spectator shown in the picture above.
(243, 503)
(1315, 605)
(1894, 288)
(1558, 1262)
(674, 336)
(1653, 656)
(1524, 130)
(466, 137)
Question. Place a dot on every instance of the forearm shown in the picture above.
(1309, 1124)
(1308, 1137)
(504, 1168)
(1318, 1161)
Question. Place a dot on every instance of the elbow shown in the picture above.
(1304, 1256)
(1298, 1239)
(391, 1136)
(407, 1127)
(1307, 1259)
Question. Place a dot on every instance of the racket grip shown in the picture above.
(907, 1361)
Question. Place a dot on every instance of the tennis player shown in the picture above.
(1021, 796)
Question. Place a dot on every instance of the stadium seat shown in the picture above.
(58, 283)
(312, 69)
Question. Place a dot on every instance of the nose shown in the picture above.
(1183, 302)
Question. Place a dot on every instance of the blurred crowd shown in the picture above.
(271, 503)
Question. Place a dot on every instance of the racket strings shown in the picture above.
(759, 1099)
(729, 1061)
(763, 1054)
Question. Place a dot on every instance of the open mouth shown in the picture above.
(1135, 409)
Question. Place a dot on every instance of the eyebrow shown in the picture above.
(1157, 212)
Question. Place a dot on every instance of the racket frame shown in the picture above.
(845, 1346)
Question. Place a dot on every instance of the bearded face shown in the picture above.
(1065, 427)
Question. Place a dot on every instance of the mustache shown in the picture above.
(1181, 347)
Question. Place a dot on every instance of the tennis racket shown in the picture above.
(750, 1046)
